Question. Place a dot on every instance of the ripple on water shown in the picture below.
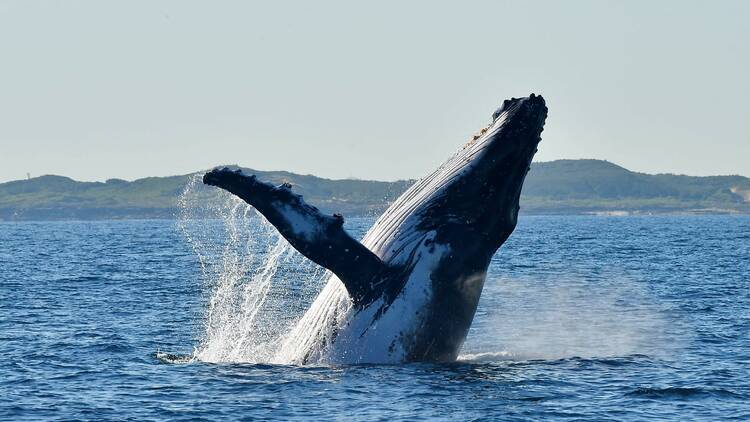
(668, 393)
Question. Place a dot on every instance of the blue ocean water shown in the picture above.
(586, 318)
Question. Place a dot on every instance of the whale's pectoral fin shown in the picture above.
(319, 237)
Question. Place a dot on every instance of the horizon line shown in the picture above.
(29, 177)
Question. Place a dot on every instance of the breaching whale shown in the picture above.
(409, 290)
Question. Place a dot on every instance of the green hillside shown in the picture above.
(557, 187)
(575, 186)
(61, 198)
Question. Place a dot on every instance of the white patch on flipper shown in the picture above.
(300, 224)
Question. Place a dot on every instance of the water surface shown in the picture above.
(581, 317)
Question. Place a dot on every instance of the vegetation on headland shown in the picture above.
(556, 187)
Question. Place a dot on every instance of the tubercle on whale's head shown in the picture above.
(481, 195)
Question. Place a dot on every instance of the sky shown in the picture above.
(373, 90)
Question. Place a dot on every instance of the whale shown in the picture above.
(408, 291)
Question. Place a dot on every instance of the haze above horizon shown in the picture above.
(383, 91)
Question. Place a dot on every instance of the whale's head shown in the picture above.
(473, 199)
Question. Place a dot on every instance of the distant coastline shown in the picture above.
(573, 187)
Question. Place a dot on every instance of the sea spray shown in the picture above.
(565, 316)
(257, 285)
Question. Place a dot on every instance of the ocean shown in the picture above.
(582, 317)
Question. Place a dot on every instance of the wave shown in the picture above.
(682, 392)
(487, 357)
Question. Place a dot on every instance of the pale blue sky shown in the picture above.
(382, 90)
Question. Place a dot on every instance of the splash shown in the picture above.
(257, 285)
(258, 289)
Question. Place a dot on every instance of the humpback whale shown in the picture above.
(409, 290)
